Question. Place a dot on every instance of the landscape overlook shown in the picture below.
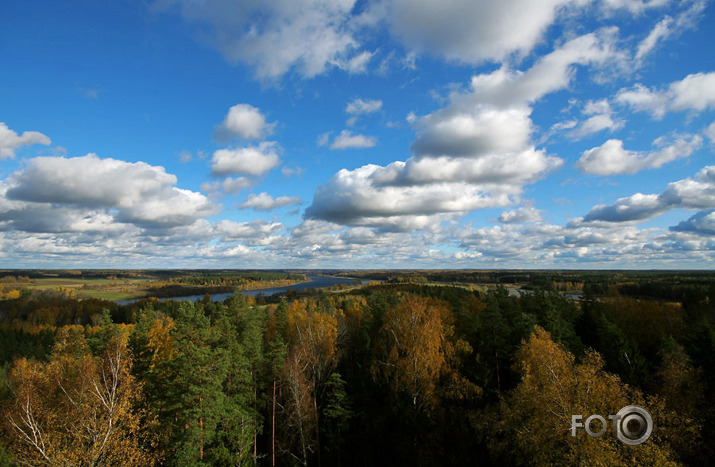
(357, 232)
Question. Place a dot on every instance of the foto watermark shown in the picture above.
(632, 425)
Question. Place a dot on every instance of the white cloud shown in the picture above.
(702, 223)
(185, 157)
(495, 115)
(458, 131)
(254, 233)
(89, 192)
(496, 171)
(475, 153)
(513, 245)
(277, 36)
(668, 27)
(354, 198)
(660, 32)
(87, 180)
(290, 171)
(695, 92)
(244, 121)
(696, 193)
(520, 216)
(233, 186)
(10, 140)
(710, 132)
(637, 207)
(252, 160)
(363, 106)
(612, 159)
(356, 64)
(242, 230)
(347, 140)
(323, 139)
(600, 118)
(359, 107)
(469, 31)
(635, 7)
(229, 186)
(266, 202)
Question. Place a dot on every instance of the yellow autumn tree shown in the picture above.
(313, 335)
(312, 357)
(77, 409)
(412, 350)
(160, 342)
(533, 423)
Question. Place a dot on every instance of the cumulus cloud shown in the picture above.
(520, 216)
(485, 129)
(244, 121)
(475, 153)
(353, 198)
(600, 118)
(349, 140)
(363, 106)
(229, 186)
(100, 190)
(612, 159)
(494, 171)
(695, 92)
(359, 107)
(251, 160)
(495, 115)
(697, 193)
(243, 230)
(710, 132)
(309, 37)
(637, 207)
(10, 140)
(468, 31)
(701, 223)
(277, 36)
(266, 202)
(314, 241)
(512, 245)
(254, 233)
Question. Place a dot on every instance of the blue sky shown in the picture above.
(357, 134)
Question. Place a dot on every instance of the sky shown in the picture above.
(515, 134)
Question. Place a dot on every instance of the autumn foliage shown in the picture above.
(389, 374)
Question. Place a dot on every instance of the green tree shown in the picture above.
(337, 413)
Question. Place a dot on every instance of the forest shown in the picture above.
(415, 368)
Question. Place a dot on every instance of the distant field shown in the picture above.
(127, 285)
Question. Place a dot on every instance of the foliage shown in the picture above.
(428, 368)
(78, 409)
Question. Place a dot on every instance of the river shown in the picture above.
(316, 282)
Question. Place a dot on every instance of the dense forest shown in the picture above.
(424, 368)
